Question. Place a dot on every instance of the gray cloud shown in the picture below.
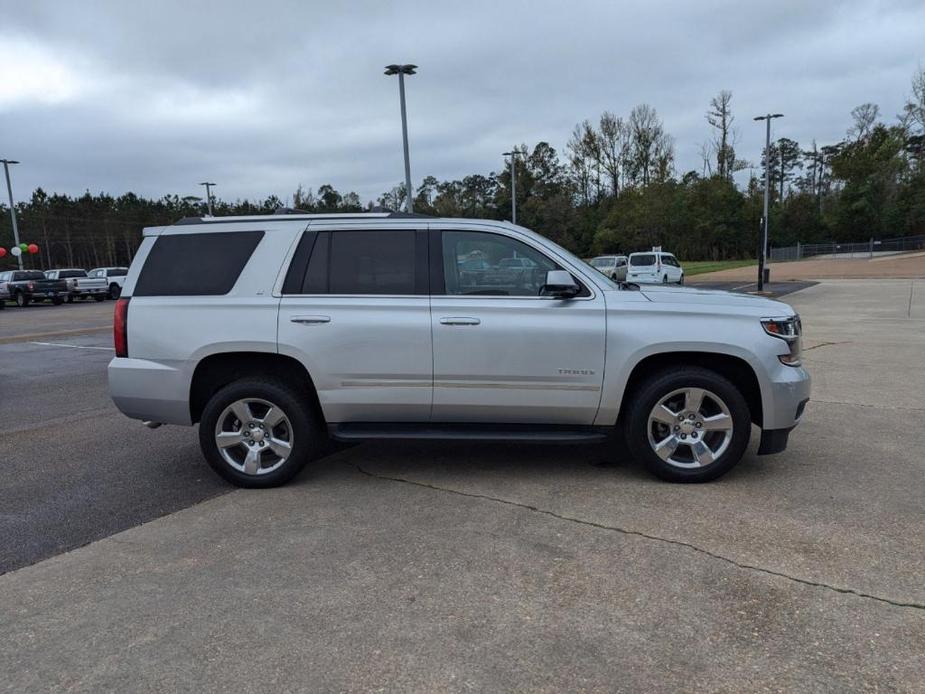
(260, 97)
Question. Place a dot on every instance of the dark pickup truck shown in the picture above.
(24, 286)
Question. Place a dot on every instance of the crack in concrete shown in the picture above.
(647, 536)
(862, 404)
(825, 344)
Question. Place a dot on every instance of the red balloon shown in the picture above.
(2, 252)
(33, 249)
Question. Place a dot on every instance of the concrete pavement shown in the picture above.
(457, 567)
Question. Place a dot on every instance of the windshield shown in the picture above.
(602, 262)
(643, 259)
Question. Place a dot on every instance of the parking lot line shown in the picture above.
(61, 344)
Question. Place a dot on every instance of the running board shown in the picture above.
(530, 433)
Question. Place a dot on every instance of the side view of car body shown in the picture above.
(114, 276)
(654, 267)
(79, 286)
(304, 327)
(614, 266)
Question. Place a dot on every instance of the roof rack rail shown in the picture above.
(289, 210)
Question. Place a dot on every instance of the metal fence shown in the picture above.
(864, 249)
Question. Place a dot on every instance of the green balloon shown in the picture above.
(24, 246)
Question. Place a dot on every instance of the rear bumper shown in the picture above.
(149, 391)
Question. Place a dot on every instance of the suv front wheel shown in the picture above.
(688, 424)
(258, 433)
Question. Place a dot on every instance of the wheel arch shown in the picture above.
(218, 370)
(733, 368)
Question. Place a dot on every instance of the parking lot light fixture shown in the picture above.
(401, 71)
(762, 256)
(208, 185)
(513, 155)
(9, 191)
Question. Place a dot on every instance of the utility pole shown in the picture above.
(208, 185)
(513, 155)
(401, 71)
(9, 190)
(762, 255)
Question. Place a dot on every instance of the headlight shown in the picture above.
(790, 331)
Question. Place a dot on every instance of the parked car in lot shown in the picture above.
(114, 276)
(26, 286)
(79, 286)
(654, 266)
(276, 332)
(614, 266)
(4, 294)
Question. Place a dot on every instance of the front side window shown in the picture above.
(489, 264)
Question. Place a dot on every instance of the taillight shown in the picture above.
(120, 328)
(30, 286)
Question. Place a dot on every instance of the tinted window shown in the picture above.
(118, 272)
(28, 275)
(644, 259)
(371, 262)
(316, 275)
(67, 274)
(196, 264)
(491, 264)
(359, 262)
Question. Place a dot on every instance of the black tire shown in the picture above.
(308, 433)
(70, 298)
(681, 281)
(659, 386)
(57, 300)
(99, 297)
(115, 291)
(22, 300)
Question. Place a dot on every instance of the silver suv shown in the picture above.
(276, 332)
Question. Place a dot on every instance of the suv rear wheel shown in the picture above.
(21, 299)
(688, 424)
(258, 433)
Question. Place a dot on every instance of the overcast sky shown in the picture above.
(154, 97)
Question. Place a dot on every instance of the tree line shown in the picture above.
(615, 188)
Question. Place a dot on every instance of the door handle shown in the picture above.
(310, 320)
(459, 320)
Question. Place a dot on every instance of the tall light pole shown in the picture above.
(9, 190)
(208, 185)
(401, 71)
(513, 155)
(762, 257)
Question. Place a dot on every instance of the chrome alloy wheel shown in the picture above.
(254, 436)
(690, 428)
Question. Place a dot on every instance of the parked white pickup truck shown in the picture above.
(79, 286)
(114, 276)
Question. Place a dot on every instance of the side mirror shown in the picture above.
(559, 284)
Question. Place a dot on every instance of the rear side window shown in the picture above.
(122, 272)
(389, 262)
(196, 264)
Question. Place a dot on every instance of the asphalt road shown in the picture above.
(434, 566)
(74, 468)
